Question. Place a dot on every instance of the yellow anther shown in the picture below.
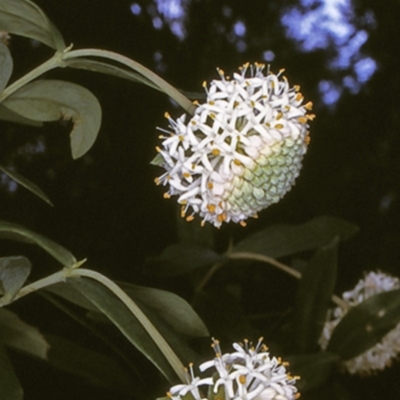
(221, 72)
(242, 223)
(183, 202)
(255, 216)
(193, 122)
(278, 126)
(211, 208)
(216, 152)
(181, 138)
(183, 211)
(235, 104)
(302, 120)
(202, 223)
(299, 97)
(242, 379)
(252, 103)
(247, 83)
(279, 116)
(211, 103)
(186, 175)
(308, 106)
(166, 195)
(297, 396)
(204, 84)
(246, 65)
(210, 185)
(190, 218)
(296, 88)
(221, 217)
(311, 117)
(157, 181)
(237, 162)
(281, 71)
(307, 140)
(195, 102)
(267, 124)
(158, 149)
(212, 115)
(272, 84)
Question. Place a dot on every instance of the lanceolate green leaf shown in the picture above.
(51, 100)
(366, 324)
(127, 323)
(12, 231)
(6, 66)
(13, 273)
(10, 389)
(27, 184)
(25, 18)
(284, 240)
(314, 296)
(20, 336)
(175, 310)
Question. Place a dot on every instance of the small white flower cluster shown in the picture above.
(383, 353)
(242, 149)
(247, 374)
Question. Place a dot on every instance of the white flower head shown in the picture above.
(383, 353)
(242, 149)
(249, 373)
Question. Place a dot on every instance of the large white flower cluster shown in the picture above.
(249, 373)
(242, 149)
(383, 353)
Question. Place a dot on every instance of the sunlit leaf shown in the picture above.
(25, 18)
(127, 323)
(12, 231)
(27, 184)
(313, 369)
(175, 310)
(11, 116)
(14, 271)
(109, 69)
(10, 389)
(51, 100)
(314, 297)
(283, 240)
(181, 258)
(6, 66)
(19, 335)
(366, 324)
(99, 369)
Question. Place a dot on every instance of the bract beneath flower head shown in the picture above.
(242, 149)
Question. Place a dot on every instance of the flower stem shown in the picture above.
(283, 267)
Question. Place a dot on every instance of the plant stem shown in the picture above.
(283, 267)
(138, 313)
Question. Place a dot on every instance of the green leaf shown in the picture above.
(126, 322)
(19, 335)
(25, 18)
(99, 369)
(51, 100)
(109, 69)
(181, 258)
(11, 116)
(172, 308)
(14, 271)
(314, 296)
(313, 369)
(10, 389)
(284, 240)
(12, 231)
(365, 325)
(6, 66)
(27, 184)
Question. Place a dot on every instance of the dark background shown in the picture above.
(107, 208)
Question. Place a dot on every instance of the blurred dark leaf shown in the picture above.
(127, 323)
(23, 17)
(181, 258)
(175, 310)
(97, 368)
(6, 65)
(313, 369)
(14, 271)
(314, 297)
(365, 325)
(10, 389)
(20, 336)
(50, 100)
(27, 184)
(12, 231)
(11, 116)
(284, 240)
(194, 234)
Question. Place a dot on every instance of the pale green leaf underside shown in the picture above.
(10, 389)
(6, 66)
(51, 100)
(14, 271)
(24, 18)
